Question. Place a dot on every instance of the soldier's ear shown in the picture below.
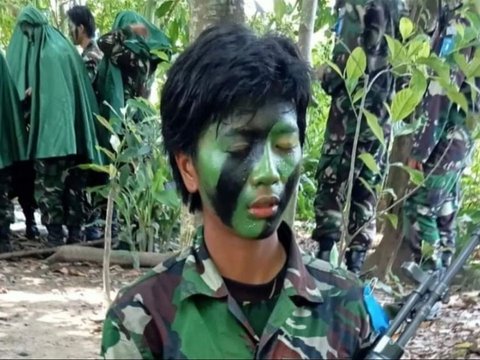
(187, 171)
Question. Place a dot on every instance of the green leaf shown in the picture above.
(95, 167)
(356, 64)
(105, 123)
(107, 152)
(406, 28)
(393, 220)
(416, 176)
(164, 8)
(454, 95)
(373, 124)
(334, 67)
(404, 103)
(418, 48)
(435, 63)
(370, 162)
(279, 9)
(358, 95)
(418, 82)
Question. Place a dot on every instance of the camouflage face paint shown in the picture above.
(248, 167)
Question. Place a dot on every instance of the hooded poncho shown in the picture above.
(13, 137)
(109, 83)
(63, 104)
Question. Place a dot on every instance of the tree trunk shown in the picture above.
(388, 250)
(124, 258)
(305, 30)
(204, 13)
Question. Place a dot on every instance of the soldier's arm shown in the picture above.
(122, 337)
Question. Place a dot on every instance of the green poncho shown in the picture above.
(109, 82)
(13, 137)
(63, 103)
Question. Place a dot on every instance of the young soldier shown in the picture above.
(12, 148)
(129, 64)
(360, 23)
(233, 121)
(62, 130)
(82, 31)
(441, 149)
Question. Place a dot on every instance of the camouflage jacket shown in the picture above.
(91, 56)
(443, 143)
(137, 73)
(182, 309)
(360, 23)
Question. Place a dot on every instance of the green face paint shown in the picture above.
(248, 167)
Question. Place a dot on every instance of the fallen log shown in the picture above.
(117, 257)
(45, 251)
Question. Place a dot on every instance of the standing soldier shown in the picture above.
(82, 31)
(62, 131)
(12, 148)
(128, 68)
(441, 150)
(360, 23)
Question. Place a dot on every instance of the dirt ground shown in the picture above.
(55, 311)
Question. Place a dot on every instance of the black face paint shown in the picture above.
(249, 169)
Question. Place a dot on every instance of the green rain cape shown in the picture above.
(63, 103)
(13, 136)
(109, 81)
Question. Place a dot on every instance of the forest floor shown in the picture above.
(55, 311)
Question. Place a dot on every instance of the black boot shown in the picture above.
(354, 260)
(75, 235)
(31, 230)
(55, 235)
(5, 245)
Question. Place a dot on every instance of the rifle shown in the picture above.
(432, 288)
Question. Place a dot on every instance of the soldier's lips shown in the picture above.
(264, 207)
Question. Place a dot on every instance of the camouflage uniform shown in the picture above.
(334, 165)
(91, 56)
(6, 209)
(444, 146)
(60, 194)
(137, 73)
(182, 309)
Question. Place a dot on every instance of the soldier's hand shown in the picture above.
(28, 92)
(414, 164)
(139, 29)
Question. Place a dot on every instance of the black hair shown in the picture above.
(228, 66)
(81, 15)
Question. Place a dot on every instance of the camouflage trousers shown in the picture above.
(60, 191)
(332, 177)
(6, 206)
(429, 215)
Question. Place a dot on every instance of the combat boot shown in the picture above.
(75, 235)
(55, 235)
(31, 230)
(354, 260)
(5, 245)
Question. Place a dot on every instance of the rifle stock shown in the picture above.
(431, 289)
